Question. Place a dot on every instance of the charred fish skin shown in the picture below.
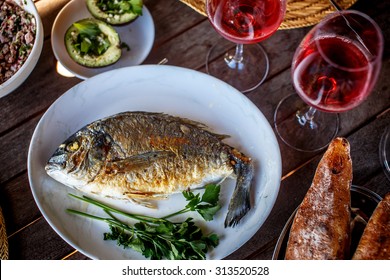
(240, 204)
(148, 156)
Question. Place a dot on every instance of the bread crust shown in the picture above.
(321, 227)
(375, 241)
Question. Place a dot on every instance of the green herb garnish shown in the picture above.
(125, 46)
(206, 206)
(90, 40)
(158, 238)
(121, 7)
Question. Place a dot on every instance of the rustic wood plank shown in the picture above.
(19, 106)
(75, 255)
(171, 18)
(183, 36)
(48, 11)
(21, 208)
(190, 48)
(38, 242)
(14, 149)
(15, 145)
(41, 89)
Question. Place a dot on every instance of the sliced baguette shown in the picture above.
(321, 227)
(375, 241)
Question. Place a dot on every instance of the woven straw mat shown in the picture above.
(299, 13)
(3, 239)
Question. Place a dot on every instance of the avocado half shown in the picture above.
(116, 17)
(110, 56)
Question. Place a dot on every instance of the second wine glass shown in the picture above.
(334, 69)
(243, 23)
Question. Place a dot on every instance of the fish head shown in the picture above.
(79, 159)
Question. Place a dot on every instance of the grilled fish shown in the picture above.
(147, 156)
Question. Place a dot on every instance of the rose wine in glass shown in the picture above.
(242, 22)
(334, 70)
(329, 88)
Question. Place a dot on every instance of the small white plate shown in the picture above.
(138, 35)
(155, 88)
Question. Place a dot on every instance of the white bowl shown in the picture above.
(21, 75)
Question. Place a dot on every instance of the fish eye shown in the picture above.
(73, 146)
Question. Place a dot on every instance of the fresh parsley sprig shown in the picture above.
(158, 238)
(206, 206)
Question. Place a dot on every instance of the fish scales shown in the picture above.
(192, 152)
(141, 155)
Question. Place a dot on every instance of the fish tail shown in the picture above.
(240, 202)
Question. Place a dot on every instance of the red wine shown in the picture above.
(246, 21)
(332, 74)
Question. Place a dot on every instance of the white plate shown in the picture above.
(22, 74)
(138, 35)
(173, 90)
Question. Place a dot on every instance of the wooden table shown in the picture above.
(184, 37)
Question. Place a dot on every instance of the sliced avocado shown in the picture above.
(115, 12)
(93, 43)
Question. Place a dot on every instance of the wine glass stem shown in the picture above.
(238, 56)
(307, 118)
(235, 61)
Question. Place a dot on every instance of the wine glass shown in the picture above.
(384, 151)
(242, 22)
(334, 69)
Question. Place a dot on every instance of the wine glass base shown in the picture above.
(310, 137)
(384, 151)
(244, 75)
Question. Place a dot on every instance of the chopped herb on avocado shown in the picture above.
(115, 11)
(120, 7)
(90, 39)
(93, 43)
(125, 46)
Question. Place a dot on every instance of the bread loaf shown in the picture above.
(375, 241)
(321, 227)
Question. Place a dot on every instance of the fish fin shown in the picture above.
(143, 202)
(199, 125)
(222, 180)
(240, 202)
(136, 162)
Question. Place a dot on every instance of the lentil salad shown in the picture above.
(17, 37)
